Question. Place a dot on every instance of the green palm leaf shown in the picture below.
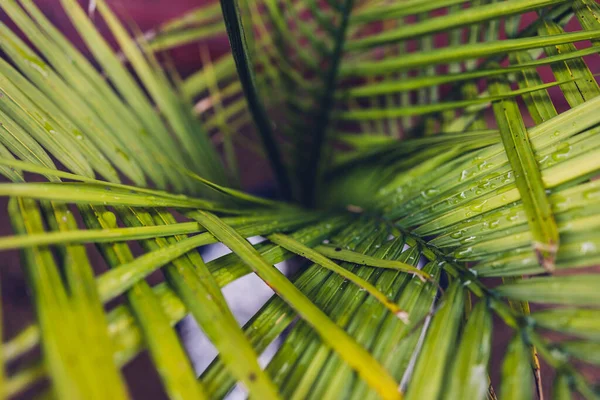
(419, 147)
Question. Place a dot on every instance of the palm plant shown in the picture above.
(418, 149)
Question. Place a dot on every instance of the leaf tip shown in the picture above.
(403, 316)
(546, 255)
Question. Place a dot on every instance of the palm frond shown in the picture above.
(429, 139)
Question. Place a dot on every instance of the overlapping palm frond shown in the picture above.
(428, 147)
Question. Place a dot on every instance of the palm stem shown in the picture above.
(316, 146)
(239, 48)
